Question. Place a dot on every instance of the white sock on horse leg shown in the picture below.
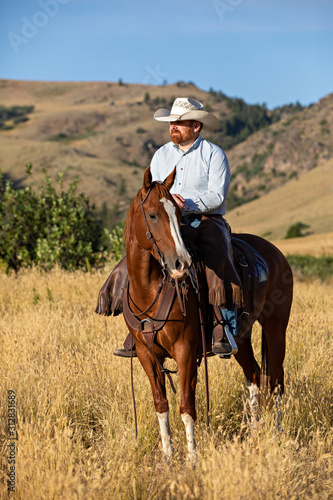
(254, 403)
(163, 419)
(189, 427)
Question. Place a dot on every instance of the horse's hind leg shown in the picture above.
(254, 401)
(251, 369)
(274, 347)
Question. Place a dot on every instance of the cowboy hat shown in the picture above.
(186, 108)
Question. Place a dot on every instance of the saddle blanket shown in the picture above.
(255, 261)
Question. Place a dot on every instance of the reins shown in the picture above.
(150, 326)
(204, 347)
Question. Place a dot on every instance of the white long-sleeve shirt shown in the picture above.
(202, 175)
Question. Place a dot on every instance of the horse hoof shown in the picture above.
(191, 459)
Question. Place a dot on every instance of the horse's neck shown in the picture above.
(143, 270)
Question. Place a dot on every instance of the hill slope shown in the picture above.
(308, 199)
(104, 132)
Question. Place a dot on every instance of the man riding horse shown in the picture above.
(200, 190)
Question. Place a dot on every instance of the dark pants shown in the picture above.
(213, 237)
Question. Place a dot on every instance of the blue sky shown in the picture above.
(264, 51)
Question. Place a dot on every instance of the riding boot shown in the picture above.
(220, 345)
(225, 331)
(128, 351)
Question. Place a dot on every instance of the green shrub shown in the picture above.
(13, 115)
(47, 227)
(309, 266)
(296, 230)
(116, 240)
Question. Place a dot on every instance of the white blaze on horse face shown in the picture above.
(181, 250)
(163, 419)
(189, 427)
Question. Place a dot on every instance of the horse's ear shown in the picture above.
(170, 179)
(147, 179)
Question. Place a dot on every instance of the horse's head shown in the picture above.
(156, 225)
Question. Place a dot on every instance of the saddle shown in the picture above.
(250, 265)
(252, 271)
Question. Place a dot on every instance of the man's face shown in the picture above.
(182, 132)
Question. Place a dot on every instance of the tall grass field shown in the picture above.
(68, 401)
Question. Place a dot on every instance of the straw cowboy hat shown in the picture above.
(186, 108)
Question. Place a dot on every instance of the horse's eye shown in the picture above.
(152, 217)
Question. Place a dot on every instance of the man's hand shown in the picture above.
(179, 200)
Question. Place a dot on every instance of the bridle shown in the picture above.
(150, 237)
(160, 256)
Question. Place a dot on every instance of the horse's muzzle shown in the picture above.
(180, 269)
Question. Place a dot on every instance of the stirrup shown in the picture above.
(232, 342)
(125, 353)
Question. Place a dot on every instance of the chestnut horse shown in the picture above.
(154, 244)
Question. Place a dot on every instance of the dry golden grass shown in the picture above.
(75, 416)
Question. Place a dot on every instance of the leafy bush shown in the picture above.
(13, 115)
(47, 228)
(116, 240)
(296, 230)
(309, 266)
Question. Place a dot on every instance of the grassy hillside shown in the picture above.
(307, 199)
(105, 133)
(75, 416)
(281, 152)
(314, 244)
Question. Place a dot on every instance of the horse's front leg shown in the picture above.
(191, 444)
(157, 382)
(187, 368)
(167, 447)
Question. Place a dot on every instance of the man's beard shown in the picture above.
(178, 137)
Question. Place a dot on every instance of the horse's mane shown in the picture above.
(162, 191)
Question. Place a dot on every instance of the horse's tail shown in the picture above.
(265, 364)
